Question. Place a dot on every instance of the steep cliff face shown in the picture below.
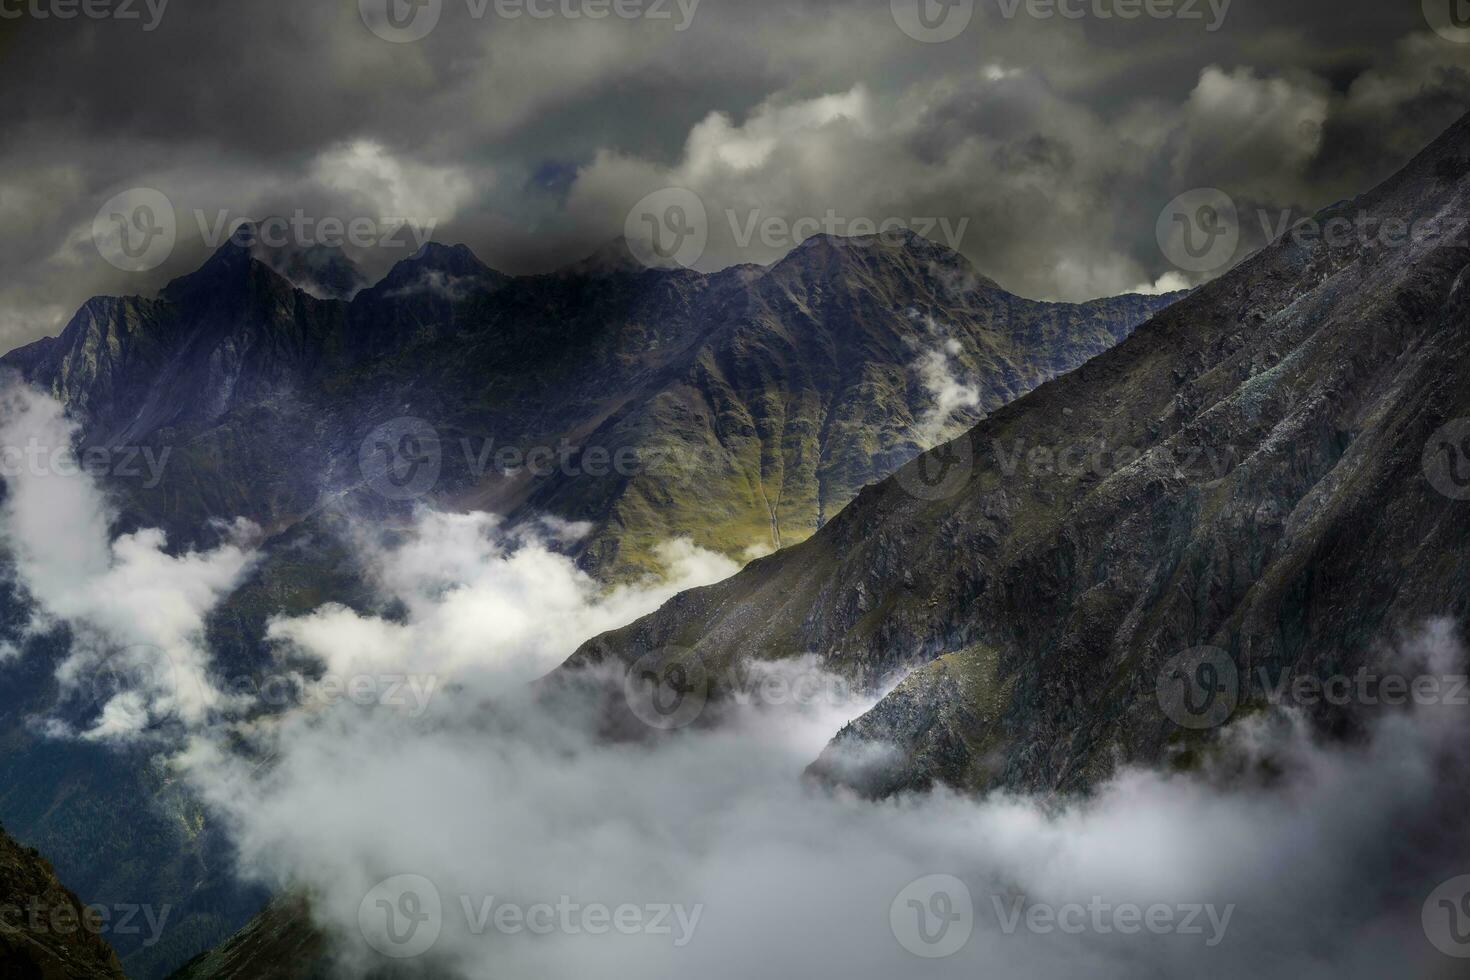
(45, 931)
(1262, 468)
(743, 408)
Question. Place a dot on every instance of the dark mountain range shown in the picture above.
(1262, 469)
(742, 409)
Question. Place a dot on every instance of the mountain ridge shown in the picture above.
(1039, 605)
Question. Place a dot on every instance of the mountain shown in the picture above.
(1263, 468)
(1277, 483)
(743, 408)
(46, 933)
(755, 403)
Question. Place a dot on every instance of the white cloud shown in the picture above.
(1315, 872)
(484, 601)
(134, 609)
(937, 370)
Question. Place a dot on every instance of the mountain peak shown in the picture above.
(439, 267)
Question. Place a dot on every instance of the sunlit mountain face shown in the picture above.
(667, 488)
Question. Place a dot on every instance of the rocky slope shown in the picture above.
(45, 931)
(1262, 468)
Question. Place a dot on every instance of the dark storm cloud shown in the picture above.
(1059, 139)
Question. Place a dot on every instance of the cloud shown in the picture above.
(483, 601)
(1060, 140)
(951, 395)
(1289, 858)
(134, 609)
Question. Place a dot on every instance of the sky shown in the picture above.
(1046, 141)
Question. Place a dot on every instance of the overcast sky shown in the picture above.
(1043, 147)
